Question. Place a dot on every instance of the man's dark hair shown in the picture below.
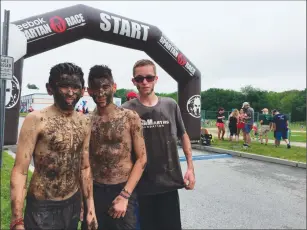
(65, 68)
(100, 71)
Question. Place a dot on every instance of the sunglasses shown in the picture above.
(140, 79)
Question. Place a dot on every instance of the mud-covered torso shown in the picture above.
(57, 156)
(110, 147)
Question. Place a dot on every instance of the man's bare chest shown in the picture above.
(63, 135)
(110, 132)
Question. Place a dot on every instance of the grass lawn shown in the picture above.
(295, 136)
(6, 169)
(294, 154)
(23, 114)
(7, 165)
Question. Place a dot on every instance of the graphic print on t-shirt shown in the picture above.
(150, 123)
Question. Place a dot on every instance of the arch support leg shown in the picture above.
(190, 105)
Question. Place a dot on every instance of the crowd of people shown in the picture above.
(244, 121)
(108, 169)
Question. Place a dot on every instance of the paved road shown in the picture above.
(241, 193)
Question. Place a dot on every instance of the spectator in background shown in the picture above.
(255, 130)
(240, 125)
(249, 121)
(280, 127)
(233, 121)
(30, 109)
(131, 95)
(265, 120)
(220, 123)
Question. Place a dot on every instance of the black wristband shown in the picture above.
(125, 190)
(126, 197)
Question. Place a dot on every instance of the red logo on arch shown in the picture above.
(181, 59)
(58, 24)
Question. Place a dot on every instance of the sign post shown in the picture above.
(7, 66)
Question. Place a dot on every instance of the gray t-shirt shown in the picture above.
(250, 113)
(162, 125)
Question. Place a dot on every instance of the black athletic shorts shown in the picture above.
(104, 195)
(48, 214)
(160, 211)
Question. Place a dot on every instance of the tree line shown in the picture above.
(292, 101)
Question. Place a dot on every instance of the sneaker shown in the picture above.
(288, 146)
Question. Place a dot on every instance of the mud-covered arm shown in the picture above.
(138, 144)
(86, 179)
(25, 147)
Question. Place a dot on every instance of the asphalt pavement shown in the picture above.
(237, 193)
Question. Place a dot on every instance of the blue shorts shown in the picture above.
(281, 135)
(247, 128)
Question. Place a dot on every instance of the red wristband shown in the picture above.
(18, 221)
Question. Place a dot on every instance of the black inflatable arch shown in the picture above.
(57, 28)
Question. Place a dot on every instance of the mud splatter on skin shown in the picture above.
(57, 164)
(68, 86)
(92, 225)
(111, 146)
(102, 88)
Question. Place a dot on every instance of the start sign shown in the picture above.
(7, 67)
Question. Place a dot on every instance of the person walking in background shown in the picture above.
(220, 123)
(249, 121)
(280, 127)
(240, 125)
(255, 131)
(233, 121)
(265, 120)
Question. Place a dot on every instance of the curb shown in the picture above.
(251, 156)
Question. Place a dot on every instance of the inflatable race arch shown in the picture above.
(57, 28)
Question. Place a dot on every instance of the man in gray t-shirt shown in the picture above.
(162, 126)
(249, 121)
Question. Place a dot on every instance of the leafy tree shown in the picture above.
(32, 86)
(293, 101)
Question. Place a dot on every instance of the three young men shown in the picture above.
(162, 122)
(57, 138)
(113, 149)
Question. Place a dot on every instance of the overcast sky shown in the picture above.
(233, 44)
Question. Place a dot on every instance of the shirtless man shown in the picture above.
(117, 154)
(58, 139)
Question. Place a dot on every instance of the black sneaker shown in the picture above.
(288, 146)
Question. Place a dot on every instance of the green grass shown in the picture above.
(294, 137)
(7, 165)
(293, 154)
(23, 114)
(6, 169)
